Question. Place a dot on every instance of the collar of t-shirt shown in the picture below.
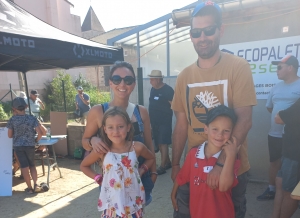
(200, 152)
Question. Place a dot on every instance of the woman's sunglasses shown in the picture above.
(128, 80)
(208, 31)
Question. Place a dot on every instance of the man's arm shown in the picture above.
(179, 139)
(42, 106)
(240, 131)
(87, 102)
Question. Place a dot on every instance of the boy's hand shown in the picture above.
(230, 147)
(174, 202)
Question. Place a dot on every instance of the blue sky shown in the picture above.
(122, 13)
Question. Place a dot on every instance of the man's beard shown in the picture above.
(206, 53)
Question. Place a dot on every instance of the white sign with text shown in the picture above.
(260, 54)
(5, 163)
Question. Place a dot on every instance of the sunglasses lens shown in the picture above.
(116, 79)
(210, 31)
(196, 33)
(128, 80)
(279, 67)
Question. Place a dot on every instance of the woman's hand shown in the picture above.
(98, 145)
(153, 177)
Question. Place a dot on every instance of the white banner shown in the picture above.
(5, 163)
(260, 54)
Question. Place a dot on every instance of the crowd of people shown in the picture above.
(212, 102)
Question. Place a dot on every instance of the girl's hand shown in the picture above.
(230, 147)
(99, 146)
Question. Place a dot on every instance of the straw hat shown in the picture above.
(156, 74)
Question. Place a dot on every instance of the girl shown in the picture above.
(122, 83)
(122, 192)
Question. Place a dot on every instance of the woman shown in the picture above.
(122, 83)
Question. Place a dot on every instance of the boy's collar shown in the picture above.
(200, 152)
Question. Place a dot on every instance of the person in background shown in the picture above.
(215, 78)
(36, 104)
(22, 128)
(82, 102)
(282, 96)
(161, 114)
(23, 95)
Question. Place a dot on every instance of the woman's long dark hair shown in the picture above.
(120, 64)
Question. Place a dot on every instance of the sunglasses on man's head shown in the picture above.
(128, 80)
(208, 31)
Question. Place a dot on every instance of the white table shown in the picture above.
(54, 139)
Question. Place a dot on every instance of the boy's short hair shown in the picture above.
(19, 104)
(221, 110)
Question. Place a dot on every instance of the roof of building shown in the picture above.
(91, 22)
(103, 37)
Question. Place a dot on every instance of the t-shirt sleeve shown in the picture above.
(269, 103)
(87, 97)
(9, 124)
(243, 87)
(170, 94)
(177, 102)
(184, 173)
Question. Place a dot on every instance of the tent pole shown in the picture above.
(27, 92)
(11, 96)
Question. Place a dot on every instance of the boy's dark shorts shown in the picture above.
(25, 155)
(275, 148)
(289, 173)
(162, 134)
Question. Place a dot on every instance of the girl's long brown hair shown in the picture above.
(111, 112)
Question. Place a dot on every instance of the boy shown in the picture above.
(22, 128)
(205, 202)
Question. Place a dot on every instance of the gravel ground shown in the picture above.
(75, 195)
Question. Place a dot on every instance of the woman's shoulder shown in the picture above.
(143, 110)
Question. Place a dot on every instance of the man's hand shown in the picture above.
(213, 177)
(174, 202)
(175, 171)
(99, 146)
(278, 119)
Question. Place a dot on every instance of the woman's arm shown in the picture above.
(227, 173)
(143, 151)
(85, 165)
(148, 137)
(94, 120)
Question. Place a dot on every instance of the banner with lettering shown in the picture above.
(260, 54)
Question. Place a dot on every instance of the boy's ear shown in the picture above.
(205, 129)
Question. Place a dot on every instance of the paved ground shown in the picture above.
(75, 196)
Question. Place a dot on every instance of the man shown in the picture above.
(82, 102)
(215, 78)
(35, 104)
(282, 96)
(161, 114)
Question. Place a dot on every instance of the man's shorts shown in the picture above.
(83, 118)
(290, 174)
(25, 155)
(275, 148)
(162, 134)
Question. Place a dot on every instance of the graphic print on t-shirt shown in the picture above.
(201, 97)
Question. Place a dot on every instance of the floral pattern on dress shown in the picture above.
(122, 192)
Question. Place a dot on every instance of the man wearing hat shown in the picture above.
(35, 103)
(281, 97)
(161, 114)
(215, 78)
(82, 102)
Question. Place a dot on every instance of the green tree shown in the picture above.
(56, 98)
(3, 115)
(82, 81)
